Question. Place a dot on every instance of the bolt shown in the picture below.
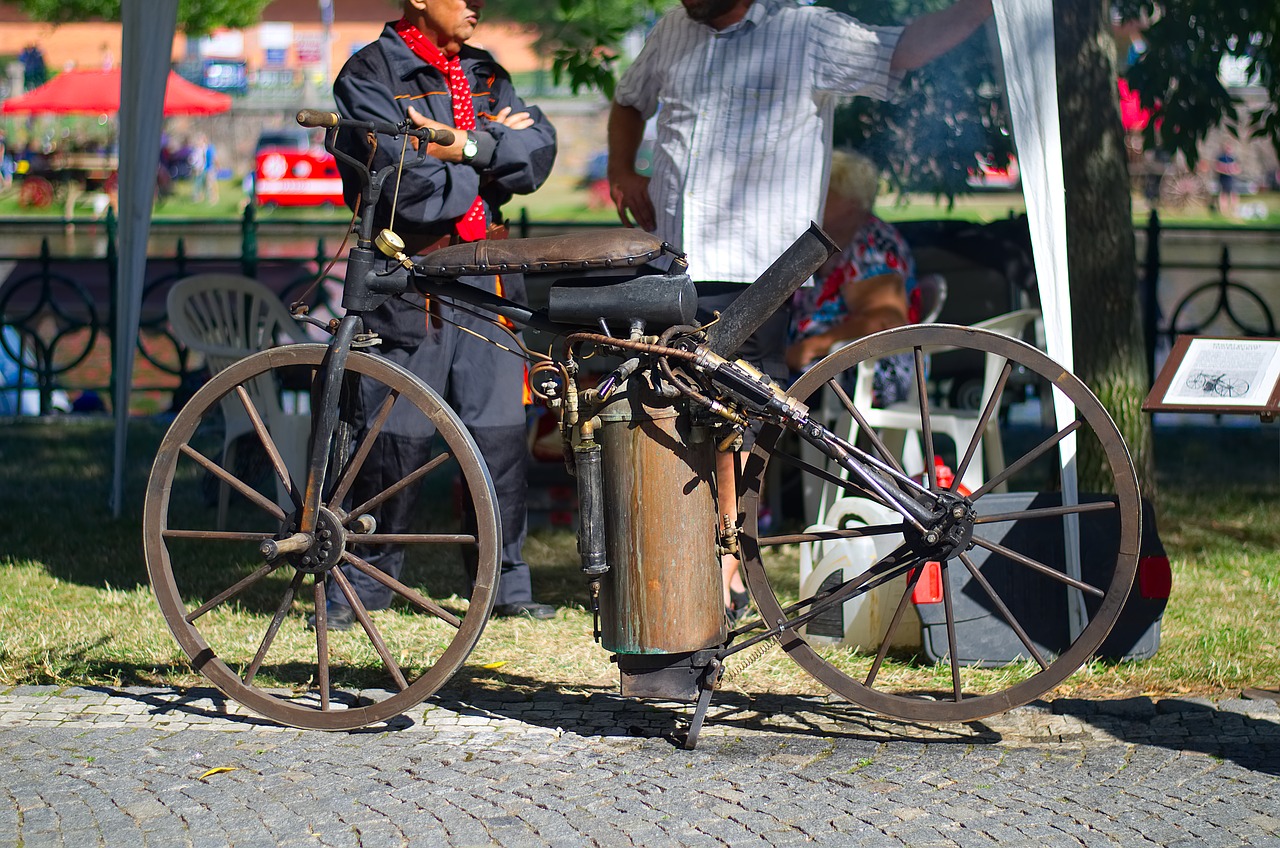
(324, 534)
(957, 512)
(931, 538)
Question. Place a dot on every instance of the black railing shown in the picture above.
(57, 310)
(1220, 305)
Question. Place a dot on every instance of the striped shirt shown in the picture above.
(744, 132)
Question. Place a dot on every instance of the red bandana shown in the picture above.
(471, 226)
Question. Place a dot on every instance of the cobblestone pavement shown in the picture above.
(161, 767)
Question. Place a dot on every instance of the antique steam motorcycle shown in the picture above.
(653, 440)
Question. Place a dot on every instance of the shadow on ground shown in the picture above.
(1246, 732)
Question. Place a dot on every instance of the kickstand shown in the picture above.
(709, 681)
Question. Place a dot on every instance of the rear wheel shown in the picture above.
(240, 613)
(968, 612)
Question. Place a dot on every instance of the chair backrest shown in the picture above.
(226, 317)
(932, 290)
(1012, 323)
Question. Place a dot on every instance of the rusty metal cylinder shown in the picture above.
(663, 592)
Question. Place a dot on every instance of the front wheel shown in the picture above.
(241, 612)
(969, 612)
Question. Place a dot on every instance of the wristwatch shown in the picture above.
(469, 149)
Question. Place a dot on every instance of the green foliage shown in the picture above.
(1177, 76)
(925, 142)
(584, 36)
(195, 17)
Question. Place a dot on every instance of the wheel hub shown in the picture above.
(951, 530)
(325, 547)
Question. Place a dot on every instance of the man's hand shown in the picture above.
(514, 120)
(630, 193)
(445, 153)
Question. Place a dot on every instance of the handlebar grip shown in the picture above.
(316, 118)
(444, 137)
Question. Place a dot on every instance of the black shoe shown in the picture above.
(739, 602)
(528, 609)
(338, 617)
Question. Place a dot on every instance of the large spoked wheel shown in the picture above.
(241, 615)
(969, 611)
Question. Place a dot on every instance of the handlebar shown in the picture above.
(329, 120)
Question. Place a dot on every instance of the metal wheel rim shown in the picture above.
(164, 584)
(1066, 663)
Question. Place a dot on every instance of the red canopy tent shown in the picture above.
(98, 92)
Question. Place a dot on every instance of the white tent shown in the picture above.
(147, 45)
(1031, 80)
(1027, 45)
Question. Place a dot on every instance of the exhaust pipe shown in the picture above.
(762, 298)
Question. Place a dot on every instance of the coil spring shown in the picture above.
(753, 656)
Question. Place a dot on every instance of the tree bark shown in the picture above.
(1101, 253)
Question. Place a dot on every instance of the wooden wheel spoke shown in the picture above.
(413, 596)
(1003, 610)
(402, 484)
(273, 628)
(269, 444)
(362, 451)
(370, 629)
(821, 473)
(882, 571)
(858, 532)
(952, 650)
(322, 641)
(926, 425)
(893, 627)
(217, 535)
(250, 494)
(410, 539)
(1046, 512)
(1030, 457)
(1038, 566)
(864, 427)
(234, 589)
(993, 404)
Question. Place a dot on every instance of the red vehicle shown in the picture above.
(296, 178)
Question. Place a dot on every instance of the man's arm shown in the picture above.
(629, 190)
(426, 195)
(929, 36)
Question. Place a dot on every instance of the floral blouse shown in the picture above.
(877, 248)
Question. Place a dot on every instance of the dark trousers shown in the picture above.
(484, 385)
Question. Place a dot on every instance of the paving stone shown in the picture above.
(780, 771)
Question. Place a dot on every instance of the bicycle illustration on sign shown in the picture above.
(1218, 384)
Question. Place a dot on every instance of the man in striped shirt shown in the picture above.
(745, 91)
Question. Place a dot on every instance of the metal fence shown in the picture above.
(57, 311)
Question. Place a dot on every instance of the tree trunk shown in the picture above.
(1101, 254)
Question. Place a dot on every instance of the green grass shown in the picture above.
(563, 199)
(77, 609)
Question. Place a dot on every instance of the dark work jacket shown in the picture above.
(382, 81)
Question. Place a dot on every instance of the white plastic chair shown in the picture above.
(898, 425)
(933, 296)
(227, 317)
